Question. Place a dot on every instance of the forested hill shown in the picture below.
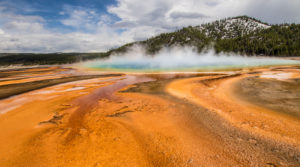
(241, 34)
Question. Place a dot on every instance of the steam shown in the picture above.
(181, 58)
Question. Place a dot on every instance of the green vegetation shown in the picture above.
(279, 40)
(47, 58)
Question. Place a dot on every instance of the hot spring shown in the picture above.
(181, 59)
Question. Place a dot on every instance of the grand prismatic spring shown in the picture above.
(156, 83)
(216, 111)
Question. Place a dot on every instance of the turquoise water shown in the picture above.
(200, 63)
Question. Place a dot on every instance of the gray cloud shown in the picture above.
(124, 24)
(212, 3)
(275, 11)
(177, 15)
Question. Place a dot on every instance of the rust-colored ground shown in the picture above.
(206, 119)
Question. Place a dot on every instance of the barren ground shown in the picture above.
(59, 116)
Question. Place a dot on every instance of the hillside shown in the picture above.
(243, 34)
(232, 27)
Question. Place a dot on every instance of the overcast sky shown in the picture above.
(99, 25)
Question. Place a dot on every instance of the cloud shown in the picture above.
(193, 12)
(26, 33)
(85, 29)
(80, 18)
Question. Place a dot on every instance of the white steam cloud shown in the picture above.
(181, 58)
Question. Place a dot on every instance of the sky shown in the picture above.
(44, 26)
